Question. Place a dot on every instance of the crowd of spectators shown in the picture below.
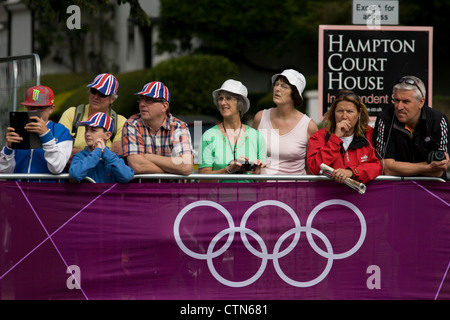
(92, 140)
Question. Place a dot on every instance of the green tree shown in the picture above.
(240, 29)
(243, 30)
(428, 13)
(191, 80)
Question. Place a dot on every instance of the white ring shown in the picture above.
(176, 228)
(263, 254)
(325, 272)
(270, 203)
(358, 214)
(236, 284)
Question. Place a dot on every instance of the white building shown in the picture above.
(133, 48)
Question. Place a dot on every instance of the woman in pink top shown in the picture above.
(285, 128)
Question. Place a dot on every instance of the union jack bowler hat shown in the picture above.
(39, 96)
(155, 90)
(99, 119)
(106, 83)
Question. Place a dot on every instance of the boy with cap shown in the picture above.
(55, 138)
(96, 160)
(102, 93)
(153, 140)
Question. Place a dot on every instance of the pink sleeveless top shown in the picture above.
(286, 154)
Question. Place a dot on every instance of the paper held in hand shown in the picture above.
(355, 185)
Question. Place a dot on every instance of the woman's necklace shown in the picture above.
(235, 144)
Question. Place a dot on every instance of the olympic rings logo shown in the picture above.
(263, 253)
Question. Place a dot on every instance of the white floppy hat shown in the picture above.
(235, 87)
(294, 77)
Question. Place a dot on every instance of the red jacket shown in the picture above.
(360, 156)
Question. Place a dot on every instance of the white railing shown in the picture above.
(194, 178)
(39, 177)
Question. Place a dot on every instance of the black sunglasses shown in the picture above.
(349, 94)
(95, 91)
(411, 82)
(149, 100)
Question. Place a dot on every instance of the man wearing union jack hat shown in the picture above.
(153, 140)
(102, 93)
(96, 160)
(55, 138)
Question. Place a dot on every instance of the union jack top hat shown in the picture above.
(106, 83)
(99, 119)
(155, 90)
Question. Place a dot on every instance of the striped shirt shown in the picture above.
(171, 139)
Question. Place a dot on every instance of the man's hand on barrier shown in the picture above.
(442, 165)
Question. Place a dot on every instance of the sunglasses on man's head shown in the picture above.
(412, 82)
(95, 92)
(351, 95)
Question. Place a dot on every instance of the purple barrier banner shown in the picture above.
(224, 241)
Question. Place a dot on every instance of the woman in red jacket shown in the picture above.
(345, 143)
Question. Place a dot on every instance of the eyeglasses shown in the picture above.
(95, 91)
(226, 97)
(149, 100)
(283, 85)
(411, 82)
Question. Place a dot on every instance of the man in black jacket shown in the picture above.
(411, 138)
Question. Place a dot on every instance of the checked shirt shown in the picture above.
(172, 138)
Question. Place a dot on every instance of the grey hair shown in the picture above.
(113, 97)
(405, 86)
(241, 104)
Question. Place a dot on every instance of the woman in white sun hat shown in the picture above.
(285, 128)
(231, 146)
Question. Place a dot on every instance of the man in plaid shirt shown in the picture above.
(153, 140)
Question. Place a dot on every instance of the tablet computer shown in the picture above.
(18, 120)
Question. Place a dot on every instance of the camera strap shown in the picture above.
(235, 142)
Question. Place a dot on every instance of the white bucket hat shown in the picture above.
(294, 77)
(235, 87)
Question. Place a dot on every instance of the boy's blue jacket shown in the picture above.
(106, 167)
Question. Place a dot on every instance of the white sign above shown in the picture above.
(375, 13)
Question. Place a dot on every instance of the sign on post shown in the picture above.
(375, 13)
(370, 61)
